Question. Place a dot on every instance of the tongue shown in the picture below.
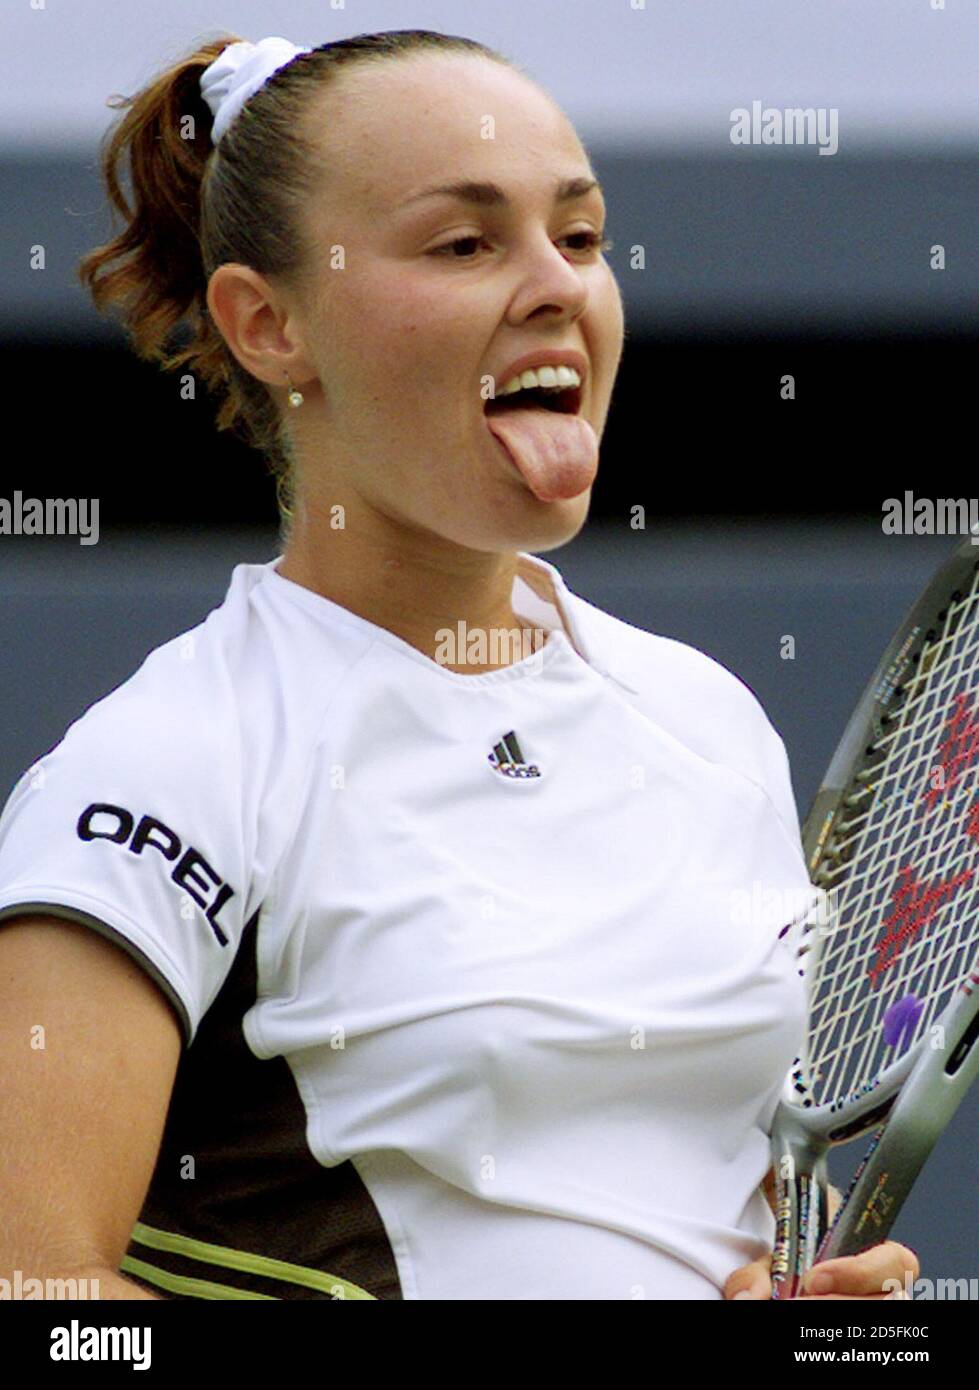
(557, 454)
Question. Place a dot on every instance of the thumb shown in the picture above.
(751, 1281)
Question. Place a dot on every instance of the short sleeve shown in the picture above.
(133, 826)
(777, 775)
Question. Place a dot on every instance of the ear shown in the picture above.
(257, 325)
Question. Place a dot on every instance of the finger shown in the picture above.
(850, 1297)
(751, 1280)
(865, 1273)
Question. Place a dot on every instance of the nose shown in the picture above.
(550, 282)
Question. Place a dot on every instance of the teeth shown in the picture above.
(555, 378)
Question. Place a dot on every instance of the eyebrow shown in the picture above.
(492, 195)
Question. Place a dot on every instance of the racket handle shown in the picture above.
(801, 1208)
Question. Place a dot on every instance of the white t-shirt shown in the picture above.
(476, 1005)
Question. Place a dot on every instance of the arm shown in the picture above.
(81, 1118)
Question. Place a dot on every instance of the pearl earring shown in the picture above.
(295, 397)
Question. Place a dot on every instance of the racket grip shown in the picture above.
(801, 1208)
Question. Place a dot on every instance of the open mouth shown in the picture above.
(564, 400)
(545, 439)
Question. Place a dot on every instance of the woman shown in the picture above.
(426, 943)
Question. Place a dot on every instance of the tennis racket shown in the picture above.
(890, 952)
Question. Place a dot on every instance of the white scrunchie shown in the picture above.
(238, 73)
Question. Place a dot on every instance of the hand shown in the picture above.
(853, 1276)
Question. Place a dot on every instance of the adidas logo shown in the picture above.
(507, 759)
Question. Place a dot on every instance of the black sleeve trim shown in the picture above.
(85, 919)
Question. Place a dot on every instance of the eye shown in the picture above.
(459, 241)
(594, 241)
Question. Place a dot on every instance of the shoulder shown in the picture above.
(695, 698)
(212, 732)
(690, 689)
(160, 816)
(223, 698)
(175, 720)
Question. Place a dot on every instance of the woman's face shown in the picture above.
(403, 337)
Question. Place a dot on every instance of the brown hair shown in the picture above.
(196, 207)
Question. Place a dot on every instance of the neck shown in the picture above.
(414, 584)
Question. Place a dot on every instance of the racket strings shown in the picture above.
(934, 967)
(903, 873)
(910, 713)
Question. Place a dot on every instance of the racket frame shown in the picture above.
(917, 1095)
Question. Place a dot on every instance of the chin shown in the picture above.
(566, 518)
(550, 525)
